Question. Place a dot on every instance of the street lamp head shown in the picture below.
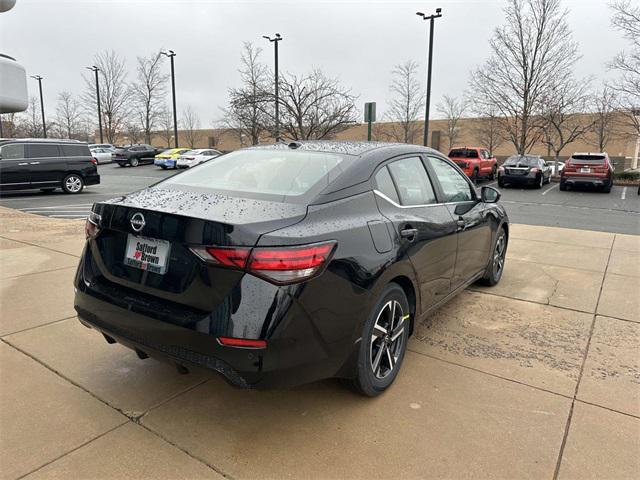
(276, 38)
(93, 68)
(37, 77)
(438, 10)
(169, 53)
(420, 14)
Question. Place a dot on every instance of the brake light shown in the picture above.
(92, 225)
(501, 169)
(242, 342)
(94, 161)
(279, 265)
(535, 169)
(230, 257)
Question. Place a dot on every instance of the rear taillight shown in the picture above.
(535, 170)
(94, 161)
(279, 265)
(92, 225)
(242, 342)
(501, 169)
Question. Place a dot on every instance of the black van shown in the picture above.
(47, 164)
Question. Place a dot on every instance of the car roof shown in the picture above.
(4, 141)
(355, 148)
(587, 154)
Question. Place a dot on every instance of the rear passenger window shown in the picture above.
(414, 187)
(41, 150)
(75, 150)
(12, 151)
(385, 184)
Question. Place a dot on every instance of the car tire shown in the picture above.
(133, 162)
(494, 270)
(607, 187)
(500, 183)
(540, 182)
(72, 183)
(474, 176)
(379, 356)
(563, 186)
(494, 171)
(164, 167)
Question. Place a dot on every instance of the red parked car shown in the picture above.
(587, 169)
(475, 162)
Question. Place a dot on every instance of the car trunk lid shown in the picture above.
(165, 224)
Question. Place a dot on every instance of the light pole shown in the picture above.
(275, 41)
(95, 70)
(172, 54)
(44, 124)
(431, 18)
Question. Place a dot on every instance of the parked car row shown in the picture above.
(134, 155)
(592, 169)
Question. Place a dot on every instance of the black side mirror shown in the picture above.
(489, 195)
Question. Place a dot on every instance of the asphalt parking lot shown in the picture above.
(538, 377)
(618, 211)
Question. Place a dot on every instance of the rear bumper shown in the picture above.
(300, 348)
(165, 162)
(519, 179)
(92, 179)
(584, 180)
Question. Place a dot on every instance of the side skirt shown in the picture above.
(462, 287)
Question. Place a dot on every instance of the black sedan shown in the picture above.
(285, 264)
(529, 170)
(134, 155)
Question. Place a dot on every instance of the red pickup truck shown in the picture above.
(475, 162)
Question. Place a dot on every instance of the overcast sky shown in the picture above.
(357, 41)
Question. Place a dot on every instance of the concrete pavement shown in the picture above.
(538, 377)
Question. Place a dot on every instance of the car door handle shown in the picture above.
(409, 233)
(34, 163)
(25, 163)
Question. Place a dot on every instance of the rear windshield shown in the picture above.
(463, 153)
(588, 158)
(524, 161)
(276, 175)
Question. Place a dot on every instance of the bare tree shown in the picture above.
(190, 125)
(626, 19)
(315, 106)
(406, 104)
(115, 94)
(29, 122)
(604, 125)
(134, 132)
(531, 53)
(165, 122)
(149, 92)
(247, 111)
(68, 115)
(561, 121)
(452, 110)
(489, 128)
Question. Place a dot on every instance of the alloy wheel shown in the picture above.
(73, 184)
(387, 338)
(498, 256)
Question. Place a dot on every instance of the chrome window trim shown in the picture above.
(382, 195)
